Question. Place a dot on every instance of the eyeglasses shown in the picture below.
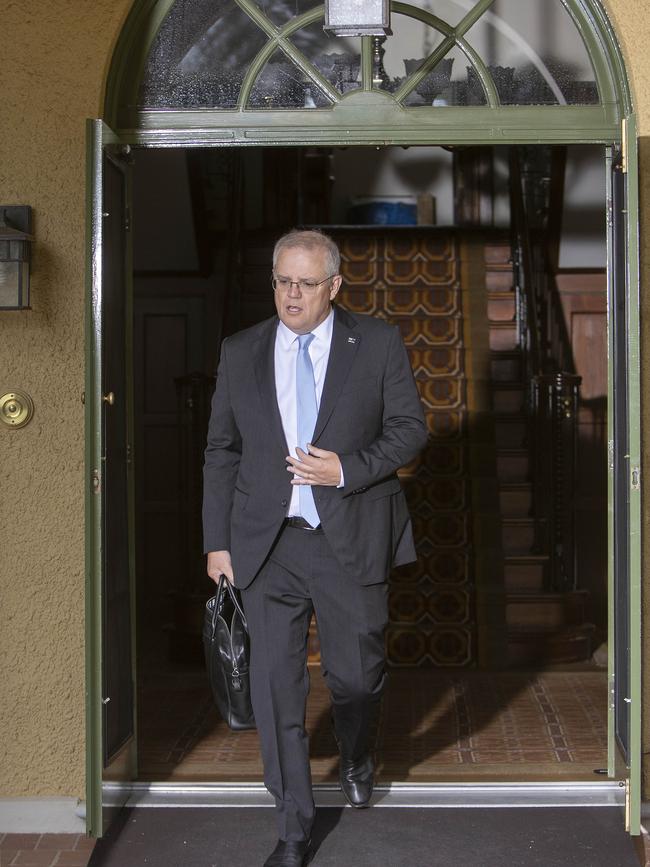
(306, 286)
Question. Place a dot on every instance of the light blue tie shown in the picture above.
(307, 413)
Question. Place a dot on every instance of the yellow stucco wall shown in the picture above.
(54, 61)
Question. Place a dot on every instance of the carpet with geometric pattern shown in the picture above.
(435, 725)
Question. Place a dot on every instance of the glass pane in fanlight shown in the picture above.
(281, 11)
(449, 83)
(410, 39)
(450, 11)
(200, 56)
(535, 53)
(282, 85)
(338, 59)
(436, 87)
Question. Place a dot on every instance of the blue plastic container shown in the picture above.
(383, 213)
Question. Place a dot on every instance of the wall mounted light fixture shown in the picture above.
(357, 17)
(15, 256)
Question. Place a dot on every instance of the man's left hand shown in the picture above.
(317, 467)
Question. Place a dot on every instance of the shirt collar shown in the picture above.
(322, 333)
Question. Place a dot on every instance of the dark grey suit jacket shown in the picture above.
(370, 415)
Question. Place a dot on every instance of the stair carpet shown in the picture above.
(544, 627)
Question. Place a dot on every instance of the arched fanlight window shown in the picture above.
(238, 54)
(215, 70)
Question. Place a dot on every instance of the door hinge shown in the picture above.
(96, 481)
(127, 218)
(627, 806)
(635, 478)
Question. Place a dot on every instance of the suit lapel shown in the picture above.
(345, 343)
(264, 364)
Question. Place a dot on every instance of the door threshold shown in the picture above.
(606, 793)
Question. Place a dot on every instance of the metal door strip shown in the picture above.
(609, 793)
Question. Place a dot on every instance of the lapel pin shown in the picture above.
(352, 339)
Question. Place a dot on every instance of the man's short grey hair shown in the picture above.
(310, 239)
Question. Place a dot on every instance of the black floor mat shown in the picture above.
(379, 837)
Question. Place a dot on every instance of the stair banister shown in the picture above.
(536, 194)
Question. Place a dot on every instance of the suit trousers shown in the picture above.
(300, 576)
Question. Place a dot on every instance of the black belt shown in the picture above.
(299, 523)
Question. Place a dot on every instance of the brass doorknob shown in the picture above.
(109, 398)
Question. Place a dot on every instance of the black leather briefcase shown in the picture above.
(226, 646)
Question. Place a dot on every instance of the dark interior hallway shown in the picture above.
(491, 642)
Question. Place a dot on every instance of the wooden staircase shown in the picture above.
(543, 627)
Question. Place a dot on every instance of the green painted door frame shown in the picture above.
(633, 297)
(100, 141)
(624, 160)
(365, 117)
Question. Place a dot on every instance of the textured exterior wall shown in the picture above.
(631, 24)
(54, 61)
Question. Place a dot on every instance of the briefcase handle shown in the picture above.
(225, 585)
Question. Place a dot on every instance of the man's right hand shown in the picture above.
(219, 563)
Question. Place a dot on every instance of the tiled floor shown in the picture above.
(436, 725)
(45, 850)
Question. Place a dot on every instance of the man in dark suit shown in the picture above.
(313, 413)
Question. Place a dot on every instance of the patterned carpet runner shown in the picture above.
(435, 725)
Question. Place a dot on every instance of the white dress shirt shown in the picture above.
(286, 354)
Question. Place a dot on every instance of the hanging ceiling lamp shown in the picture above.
(357, 17)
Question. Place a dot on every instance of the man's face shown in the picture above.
(303, 310)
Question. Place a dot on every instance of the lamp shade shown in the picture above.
(15, 256)
(357, 17)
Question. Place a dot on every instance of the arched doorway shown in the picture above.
(481, 78)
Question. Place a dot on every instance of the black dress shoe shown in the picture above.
(290, 853)
(357, 779)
